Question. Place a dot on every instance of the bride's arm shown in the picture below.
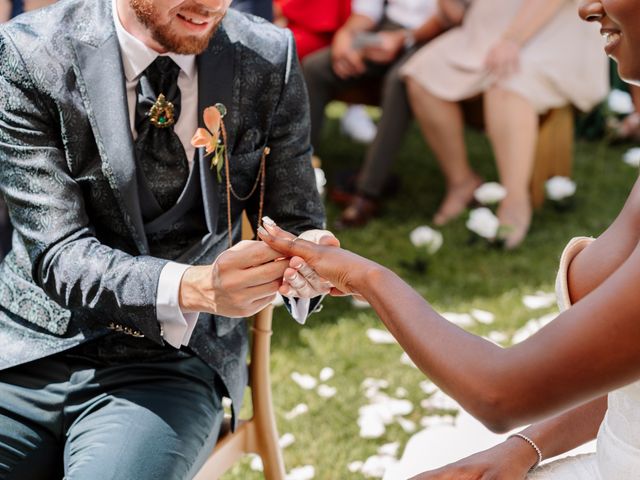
(589, 350)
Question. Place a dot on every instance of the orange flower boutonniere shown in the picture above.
(210, 137)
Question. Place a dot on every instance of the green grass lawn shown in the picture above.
(461, 276)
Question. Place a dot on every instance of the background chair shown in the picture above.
(257, 434)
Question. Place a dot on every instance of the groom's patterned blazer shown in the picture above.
(85, 260)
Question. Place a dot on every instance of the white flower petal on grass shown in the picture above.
(539, 300)
(380, 336)
(376, 465)
(401, 392)
(532, 327)
(371, 425)
(483, 316)
(296, 411)
(440, 401)
(377, 383)
(559, 188)
(498, 337)
(301, 473)
(483, 222)
(359, 304)
(307, 382)
(278, 301)
(355, 467)
(389, 449)
(437, 421)
(287, 440)
(405, 359)
(461, 319)
(325, 391)
(428, 387)
(326, 374)
(407, 425)
(256, 463)
(632, 157)
(490, 193)
(620, 102)
(426, 237)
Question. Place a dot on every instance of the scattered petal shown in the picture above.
(287, 440)
(437, 421)
(490, 193)
(325, 391)
(307, 382)
(532, 327)
(440, 401)
(498, 337)
(426, 237)
(483, 222)
(428, 387)
(539, 300)
(298, 410)
(620, 102)
(377, 383)
(632, 157)
(359, 303)
(256, 463)
(380, 336)
(301, 473)
(407, 425)
(559, 188)
(326, 374)
(483, 316)
(371, 426)
(389, 449)
(355, 467)
(401, 392)
(377, 465)
(460, 319)
(406, 360)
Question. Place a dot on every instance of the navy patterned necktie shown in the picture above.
(159, 151)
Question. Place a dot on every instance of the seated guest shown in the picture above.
(509, 52)
(370, 49)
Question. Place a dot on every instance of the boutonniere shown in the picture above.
(211, 138)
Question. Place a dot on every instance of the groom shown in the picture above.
(120, 322)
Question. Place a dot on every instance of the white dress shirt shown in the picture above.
(177, 326)
(408, 13)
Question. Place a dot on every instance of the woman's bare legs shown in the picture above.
(442, 125)
(512, 126)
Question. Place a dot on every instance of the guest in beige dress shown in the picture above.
(525, 57)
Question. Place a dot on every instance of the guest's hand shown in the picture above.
(507, 460)
(503, 60)
(242, 281)
(388, 48)
(347, 62)
(345, 270)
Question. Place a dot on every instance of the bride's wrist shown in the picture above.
(521, 452)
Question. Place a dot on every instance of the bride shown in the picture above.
(576, 379)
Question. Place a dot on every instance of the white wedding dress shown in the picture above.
(617, 454)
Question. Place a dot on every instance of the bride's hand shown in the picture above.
(345, 270)
(505, 461)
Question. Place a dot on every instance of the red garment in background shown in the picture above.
(313, 22)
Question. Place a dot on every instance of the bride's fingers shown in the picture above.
(284, 242)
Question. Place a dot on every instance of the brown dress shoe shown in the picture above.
(358, 213)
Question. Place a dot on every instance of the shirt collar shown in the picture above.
(136, 56)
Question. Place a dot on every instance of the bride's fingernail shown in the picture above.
(262, 232)
(268, 222)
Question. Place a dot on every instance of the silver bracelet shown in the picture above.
(533, 445)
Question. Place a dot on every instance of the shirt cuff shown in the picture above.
(176, 325)
(299, 309)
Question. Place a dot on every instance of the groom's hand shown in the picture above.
(242, 281)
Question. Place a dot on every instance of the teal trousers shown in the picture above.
(116, 408)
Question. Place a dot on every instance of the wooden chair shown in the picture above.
(258, 434)
(554, 151)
